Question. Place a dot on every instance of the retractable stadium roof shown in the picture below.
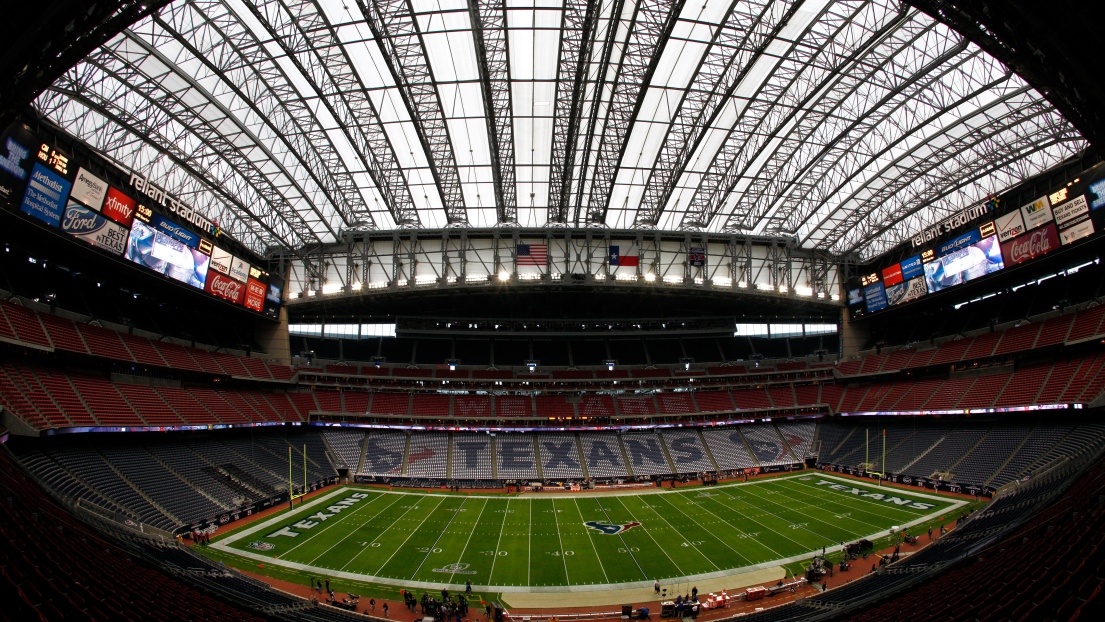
(848, 125)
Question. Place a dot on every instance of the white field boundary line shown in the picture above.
(352, 576)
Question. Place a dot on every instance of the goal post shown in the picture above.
(291, 485)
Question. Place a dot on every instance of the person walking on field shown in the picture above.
(372, 604)
(656, 586)
(385, 610)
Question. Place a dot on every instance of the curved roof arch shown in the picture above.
(848, 125)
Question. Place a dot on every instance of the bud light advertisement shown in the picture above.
(166, 255)
(964, 264)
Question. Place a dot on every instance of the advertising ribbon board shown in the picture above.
(119, 207)
(89, 189)
(87, 225)
(225, 287)
(876, 297)
(1034, 244)
(1036, 213)
(45, 196)
(255, 295)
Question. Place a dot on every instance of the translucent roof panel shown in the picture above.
(848, 125)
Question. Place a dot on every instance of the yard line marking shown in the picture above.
(351, 532)
(474, 525)
(750, 517)
(742, 532)
(410, 534)
(382, 532)
(563, 557)
(591, 537)
(662, 549)
(441, 533)
(628, 549)
(311, 535)
(803, 527)
(680, 510)
(502, 528)
(529, 547)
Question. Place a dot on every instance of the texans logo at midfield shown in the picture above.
(609, 528)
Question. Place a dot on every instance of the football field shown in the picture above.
(507, 543)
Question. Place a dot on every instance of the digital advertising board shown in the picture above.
(912, 267)
(46, 194)
(85, 224)
(906, 291)
(225, 287)
(964, 263)
(119, 207)
(875, 295)
(17, 148)
(1036, 213)
(88, 189)
(93, 200)
(255, 294)
(1035, 243)
(166, 255)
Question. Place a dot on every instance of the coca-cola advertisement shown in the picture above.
(225, 287)
(255, 294)
(1031, 245)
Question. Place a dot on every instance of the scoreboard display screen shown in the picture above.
(89, 198)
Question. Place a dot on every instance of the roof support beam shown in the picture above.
(577, 33)
(233, 51)
(493, 57)
(302, 32)
(737, 45)
(653, 22)
(396, 31)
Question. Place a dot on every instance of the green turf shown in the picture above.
(382, 537)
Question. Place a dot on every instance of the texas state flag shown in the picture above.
(617, 259)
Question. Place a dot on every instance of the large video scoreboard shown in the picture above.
(133, 219)
(981, 241)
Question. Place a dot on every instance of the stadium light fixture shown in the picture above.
(356, 287)
(650, 276)
(504, 276)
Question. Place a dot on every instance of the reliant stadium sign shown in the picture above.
(949, 224)
(185, 211)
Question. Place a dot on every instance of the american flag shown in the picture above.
(532, 254)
